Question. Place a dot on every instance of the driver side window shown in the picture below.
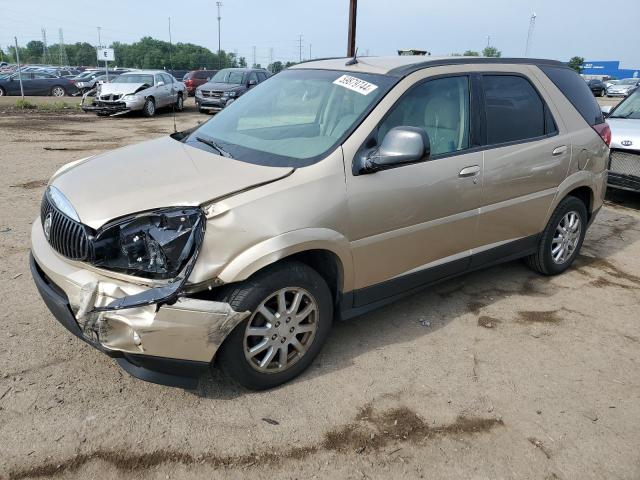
(440, 107)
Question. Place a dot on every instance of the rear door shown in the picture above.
(162, 91)
(526, 157)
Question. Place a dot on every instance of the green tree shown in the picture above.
(471, 53)
(491, 52)
(576, 63)
(275, 67)
(242, 62)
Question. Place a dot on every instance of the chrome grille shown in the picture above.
(66, 236)
(625, 162)
(110, 97)
(211, 93)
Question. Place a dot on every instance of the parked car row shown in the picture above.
(613, 88)
(226, 86)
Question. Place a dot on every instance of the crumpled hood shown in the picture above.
(154, 174)
(121, 88)
(625, 129)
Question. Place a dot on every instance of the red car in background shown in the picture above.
(194, 79)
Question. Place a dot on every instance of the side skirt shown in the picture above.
(364, 300)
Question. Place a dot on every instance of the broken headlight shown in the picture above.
(155, 244)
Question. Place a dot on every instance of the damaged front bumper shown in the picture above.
(167, 344)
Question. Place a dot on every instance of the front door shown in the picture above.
(415, 223)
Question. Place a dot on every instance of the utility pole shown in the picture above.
(271, 56)
(219, 4)
(254, 57)
(488, 41)
(300, 47)
(309, 51)
(532, 26)
(63, 53)
(45, 50)
(19, 68)
(351, 41)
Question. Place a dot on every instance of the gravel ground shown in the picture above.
(498, 374)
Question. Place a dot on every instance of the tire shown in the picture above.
(263, 289)
(179, 103)
(2, 92)
(543, 260)
(149, 108)
(58, 91)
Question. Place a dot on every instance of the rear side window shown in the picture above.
(514, 110)
(202, 74)
(577, 92)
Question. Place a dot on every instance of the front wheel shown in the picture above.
(291, 315)
(149, 108)
(561, 239)
(180, 103)
(2, 92)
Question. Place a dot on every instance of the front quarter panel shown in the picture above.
(250, 230)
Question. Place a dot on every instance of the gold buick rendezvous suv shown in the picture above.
(328, 190)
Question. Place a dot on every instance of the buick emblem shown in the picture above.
(626, 143)
(47, 226)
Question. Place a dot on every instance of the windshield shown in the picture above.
(228, 76)
(629, 108)
(294, 117)
(148, 79)
(628, 81)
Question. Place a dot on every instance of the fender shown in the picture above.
(270, 251)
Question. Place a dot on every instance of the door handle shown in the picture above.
(559, 150)
(469, 171)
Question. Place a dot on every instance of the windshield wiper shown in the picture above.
(215, 146)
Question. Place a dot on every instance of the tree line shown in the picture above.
(145, 53)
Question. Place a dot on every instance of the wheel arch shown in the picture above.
(580, 185)
(324, 250)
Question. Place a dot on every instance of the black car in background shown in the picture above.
(37, 83)
(597, 87)
(227, 85)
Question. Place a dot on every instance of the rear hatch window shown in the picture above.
(577, 92)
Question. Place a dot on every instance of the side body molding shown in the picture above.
(269, 251)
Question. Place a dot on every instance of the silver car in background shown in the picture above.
(623, 88)
(144, 90)
(624, 164)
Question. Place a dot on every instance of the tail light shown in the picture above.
(604, 131)
(188, 82)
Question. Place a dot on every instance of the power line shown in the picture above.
(62, 51)
(300, 47)
(45, 50)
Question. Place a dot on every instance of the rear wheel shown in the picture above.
(2, 92)
(291, 315)
(58, 91)
(561, 239)
(149, 108)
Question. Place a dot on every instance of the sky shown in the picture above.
(564, 28)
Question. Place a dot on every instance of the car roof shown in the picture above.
(401, 65)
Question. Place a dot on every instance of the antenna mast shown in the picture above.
(532, 26)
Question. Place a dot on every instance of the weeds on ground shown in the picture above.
(25, 104)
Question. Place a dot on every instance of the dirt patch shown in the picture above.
(545, 316)
(488, 322)
(369, 432)
(31, 184)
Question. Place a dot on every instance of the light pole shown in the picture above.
(219, 4)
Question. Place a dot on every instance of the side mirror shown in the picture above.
(252, 83)
(160, 83)
(606, 110)
(400, 145)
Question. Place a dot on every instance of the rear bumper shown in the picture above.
(164, 371)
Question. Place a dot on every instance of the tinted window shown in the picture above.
(576, 91)
(253, 77)
(440, 107)
(514, 109)
(262, 76)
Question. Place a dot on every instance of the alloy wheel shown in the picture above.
(57, 92)
(566, 237)
(281, 330)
